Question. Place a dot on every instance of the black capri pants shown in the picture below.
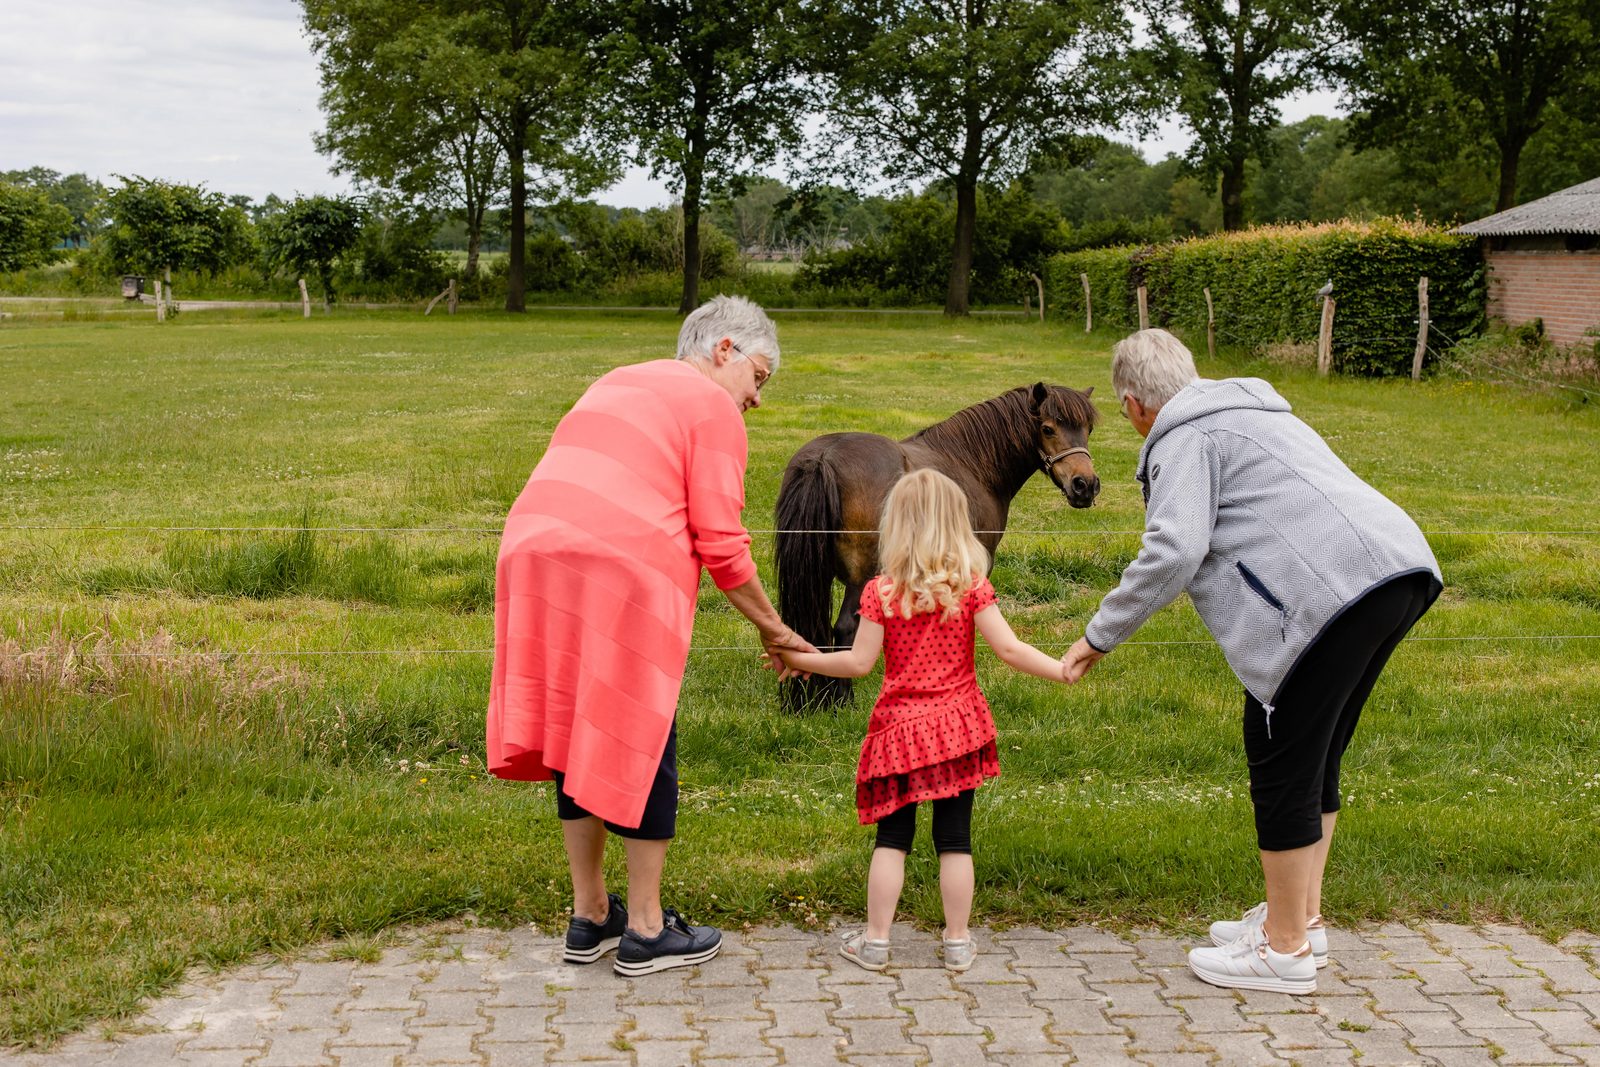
(1294, 760)
(952, 825)
(660, 819)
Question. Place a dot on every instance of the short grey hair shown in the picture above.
(733, 317)
(1152, 365)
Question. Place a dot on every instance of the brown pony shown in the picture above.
(833, 490)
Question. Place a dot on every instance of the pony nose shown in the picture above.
(1082, 486)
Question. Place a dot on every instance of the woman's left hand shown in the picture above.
(1078, 660)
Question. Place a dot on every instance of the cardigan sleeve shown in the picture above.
(718, 453)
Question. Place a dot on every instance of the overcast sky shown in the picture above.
(222, 92)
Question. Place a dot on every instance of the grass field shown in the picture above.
(165, 802)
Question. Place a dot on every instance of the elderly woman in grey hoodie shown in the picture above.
(1306, 576)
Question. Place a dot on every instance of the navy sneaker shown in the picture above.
(588, 940)
(677, 945)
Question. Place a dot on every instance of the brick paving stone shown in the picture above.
(1385, 1048)
(449, 1008)
(1010, 1034)
(807, 1050)
(382, 992)
(334, 977)
(661, 1022)
(1213, 1015)
(1433, 1028)
(728, 1002)
(736, 1038)
(1458, 1057)
(1175, 1059)
(372, 1055)
(1398, 994)
(589, 1041)
(1446, 976)
(1525, 947)
(665, 1053)
(375, 1028)
(1353, 1011)
(953, 1050)
(671, 987)
(299, 1048)
(941, 1017)
(1368, 963)
(211, 1058)
(1137, 998)
(311, 1010)
(1483, 1010)
(804, 1018)
(1160, 1035)
(1103, 967)
(578, 1009)
(1092, 939)
(1156, 950)
(1564, 1027)
(1003, 1001)
(519, 1024)
(989, 968)
(1586, 1054)
(1298, 1032)
(1492, 963)
(786, 955)
(1331, 983)
(1456, 936)
(1590, 1002)
(1571, 975)
(1095, 1050)
(445, 1044)
(1040, 953)
(879, 1037)
(1081, 1017)
(1057, 983)
(926, 984)
(1518, 1046)
(455, 976)
(793, 985)
(1242, 1050)
(1030, 1059)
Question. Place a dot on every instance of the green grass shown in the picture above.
(161, 809)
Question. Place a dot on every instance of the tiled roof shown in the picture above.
(1574, 210)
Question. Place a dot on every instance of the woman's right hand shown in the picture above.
(781, 639)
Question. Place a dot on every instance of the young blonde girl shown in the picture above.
(931, 736)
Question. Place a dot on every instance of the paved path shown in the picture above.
(1439, 994)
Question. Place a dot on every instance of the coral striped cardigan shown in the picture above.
(598, 572)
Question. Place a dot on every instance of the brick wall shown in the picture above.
(1562, 288)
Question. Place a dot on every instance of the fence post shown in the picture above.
(1038, 281)
(305, 300)
(1144, 308)
(453, 296)
(1422, 328)
(1211, 326)
(1325, 338)
(1088, 307)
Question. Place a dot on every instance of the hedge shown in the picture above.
(1264, 286)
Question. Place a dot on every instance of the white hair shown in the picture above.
(733, 317)
(1152, 365)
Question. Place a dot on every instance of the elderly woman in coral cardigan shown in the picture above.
(642, 485)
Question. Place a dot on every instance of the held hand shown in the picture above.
(1079, 658)
(775, 644)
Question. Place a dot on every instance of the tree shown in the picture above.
(310, 234)
(80, 194)
(400, 122)
(969, 90)
(159, 227)
(702, 90)
(1225, 66)
(395, 72)
(31, 226)
(1435, 75)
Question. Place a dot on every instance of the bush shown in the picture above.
(1264, 285)
(31, 227)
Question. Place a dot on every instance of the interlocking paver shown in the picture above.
(1445, 994)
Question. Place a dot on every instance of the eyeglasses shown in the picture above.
(762, 376)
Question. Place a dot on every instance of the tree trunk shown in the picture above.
(516, 281)
(956, 301)
(691, 248)
(1233, 193)
(474, 239)
(1510, 158)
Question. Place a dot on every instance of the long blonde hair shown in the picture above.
(928, 554)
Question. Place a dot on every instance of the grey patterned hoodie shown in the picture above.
(1272, 536)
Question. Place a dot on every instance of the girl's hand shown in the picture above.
(1078, 660)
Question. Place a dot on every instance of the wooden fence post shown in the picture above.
(1211, 326)
(1422, 328)
(1088, 306)
(305, 300)
(1144, 308)
(453, 296)
(1325, 338)
(1038, 281)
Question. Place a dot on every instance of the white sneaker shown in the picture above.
(1227, 932)
(1250, 963)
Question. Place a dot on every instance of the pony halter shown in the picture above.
(1047, 462)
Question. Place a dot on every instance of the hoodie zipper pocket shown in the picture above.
(1266, 594)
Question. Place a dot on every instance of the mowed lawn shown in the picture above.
(169, 798)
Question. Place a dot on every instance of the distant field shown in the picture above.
(162, 808)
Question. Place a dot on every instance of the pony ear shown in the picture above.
(1089, 391)
(1038, 395)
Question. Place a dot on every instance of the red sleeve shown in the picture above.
(872, 603)
(718, 452)
(980, 596)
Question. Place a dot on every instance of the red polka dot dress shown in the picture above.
(931, 734)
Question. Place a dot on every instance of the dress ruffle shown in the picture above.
(910, 742)
(877, 797)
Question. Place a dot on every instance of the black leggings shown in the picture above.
(1294, 759)
(952, 825)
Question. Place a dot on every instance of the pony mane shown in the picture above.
(996, 432)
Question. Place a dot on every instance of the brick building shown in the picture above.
(1544, 262)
